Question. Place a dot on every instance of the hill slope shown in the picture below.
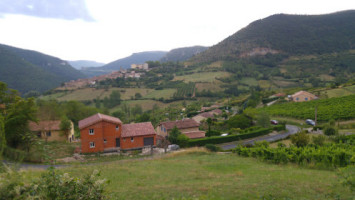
(26, 70)
(78, 64)
(288, 34)
(124, 63)
(182, 54)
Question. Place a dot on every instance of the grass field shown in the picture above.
(166, 94)
(339, 92)
(249, 81)
(201, 77)
(213, 86)
(203, 175)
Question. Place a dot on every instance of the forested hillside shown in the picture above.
(26, 70)
(182, 54)
(287, 34)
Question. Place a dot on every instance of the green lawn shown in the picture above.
(202, 175)
(339, 92)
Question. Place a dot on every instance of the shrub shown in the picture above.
(330, 131)
(280, 127)
(239, 121)
(182, 140)
(319, 140)
(300, 139)
(212, 147)
(229, 138)
(347, 176)
(213, 133)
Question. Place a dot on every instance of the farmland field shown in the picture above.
(249, 81)
(197, 174)
(338, 92)
(201, 77)
(166, 94)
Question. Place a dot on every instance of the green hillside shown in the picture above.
(26, 70)
(288, 34)
(182, 54)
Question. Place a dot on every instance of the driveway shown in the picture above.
(291, 129)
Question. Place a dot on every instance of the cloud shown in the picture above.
(59, 9)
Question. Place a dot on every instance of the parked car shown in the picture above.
(274, 122)
(224, 134)
(310, 122)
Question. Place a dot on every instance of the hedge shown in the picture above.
(230, 138)
(280, 127)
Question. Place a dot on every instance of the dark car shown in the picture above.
(274, 122)
(310, 122)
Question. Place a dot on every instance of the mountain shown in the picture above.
(287, 34)
(78, 64)
(26, 70)
(125, 63)
(182, 54)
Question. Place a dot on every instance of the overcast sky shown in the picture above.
(106, 30)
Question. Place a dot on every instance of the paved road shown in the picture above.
(270, 138)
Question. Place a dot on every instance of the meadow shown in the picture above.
(198, 174)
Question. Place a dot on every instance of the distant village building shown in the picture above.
(188, 127)
(204, 116)
(50, 131)
(103, 133)
(302, 96)
(144, 66)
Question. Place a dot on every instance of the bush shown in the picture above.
(229, 138)
(347, 176)
(330, 131)
(212, 147)
(213, 133)
(280, 127)
(300, 139)
(319, 140)
(52, 185)
(239, 121)
(182, 140)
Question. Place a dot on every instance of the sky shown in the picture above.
(106, 30)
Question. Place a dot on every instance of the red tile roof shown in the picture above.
(195, 134)
(216, 112)
(45, 125)
(138, 129)
(207, 115)
(2, 105)
(98, 118)
(303, 93)
(180, 124)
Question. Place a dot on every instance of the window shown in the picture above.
(105, 141)
(91, 131)
(48, 133)
(92, 144)
(297, 98)
(306, 99)
(164, 130)
(132, 139)
(117, 128)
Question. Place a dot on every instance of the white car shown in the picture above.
(310, 122)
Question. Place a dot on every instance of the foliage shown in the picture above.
(319, 140)
(327, 109)
(229, 138)
(173, 135)
(2, 136)
(239, 121)
(263, 120)
(183, 140)
(212, 147)
(113, 100)
(210, 133)
(327, 156)
(300, 139)
(330, 131)
(52, 185)
(65, 126)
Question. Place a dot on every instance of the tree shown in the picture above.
(2, 135)
(239, 121)
(65, 126)
(263, 120)
(173, 135)
(137, 110)
(330, 131)
(300, 139)
(115, 99)
(209, 122)
(138, 95)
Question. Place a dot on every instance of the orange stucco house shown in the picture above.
(103, 133)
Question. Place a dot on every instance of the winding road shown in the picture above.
(291, 129)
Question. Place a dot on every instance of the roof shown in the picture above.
(207, 115)
(138, 129)
(303, 93)
(216, 112)
(195, 134)
(2, 105)
(180, 124)
(53, 125)
(97, 118)
(279, 95)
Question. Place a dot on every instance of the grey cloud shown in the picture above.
(62, 9)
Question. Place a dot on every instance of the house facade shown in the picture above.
(103, 133)
(188, 127)
(50, 131)
(303, 96)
